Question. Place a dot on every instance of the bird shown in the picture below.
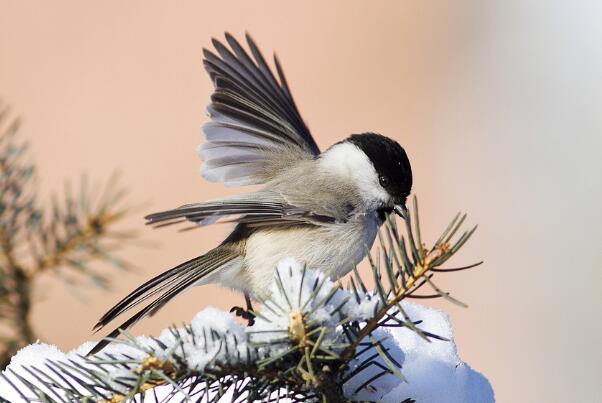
(322, 208)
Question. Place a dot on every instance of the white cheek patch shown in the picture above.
(351, 163)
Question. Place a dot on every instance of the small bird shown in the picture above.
(321, 208)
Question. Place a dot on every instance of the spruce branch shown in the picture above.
(404, 279)
(313, 339)
(64, 240)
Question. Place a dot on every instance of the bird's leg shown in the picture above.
(248, 302)
(245, 313)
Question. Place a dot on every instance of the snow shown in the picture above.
(431, 371)
(200, 348)
(383, 385)
(301, 290)
(297, 290)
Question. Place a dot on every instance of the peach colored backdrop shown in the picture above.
(497, 103)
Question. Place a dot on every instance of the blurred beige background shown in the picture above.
(497, 103)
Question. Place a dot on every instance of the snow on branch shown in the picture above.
(313, 340)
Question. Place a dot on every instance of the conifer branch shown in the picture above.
(63, 241)
(313, 339)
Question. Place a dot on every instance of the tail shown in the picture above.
(167, 285)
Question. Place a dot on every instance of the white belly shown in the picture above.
(333, 249)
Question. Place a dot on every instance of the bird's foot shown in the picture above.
(244, 313)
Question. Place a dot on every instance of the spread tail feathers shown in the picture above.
(167, 285)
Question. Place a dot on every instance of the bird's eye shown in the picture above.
(384, 181)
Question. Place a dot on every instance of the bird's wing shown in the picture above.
(255, 128)
(254, 209)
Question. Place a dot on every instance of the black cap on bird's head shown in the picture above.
(391, 164)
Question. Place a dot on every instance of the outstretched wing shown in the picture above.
(255, 128)
(254, 209)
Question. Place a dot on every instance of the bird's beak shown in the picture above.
(401, 210)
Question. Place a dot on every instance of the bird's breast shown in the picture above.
(333, 249)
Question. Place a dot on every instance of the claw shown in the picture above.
(245, 314)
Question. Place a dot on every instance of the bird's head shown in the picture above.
(378, 166)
